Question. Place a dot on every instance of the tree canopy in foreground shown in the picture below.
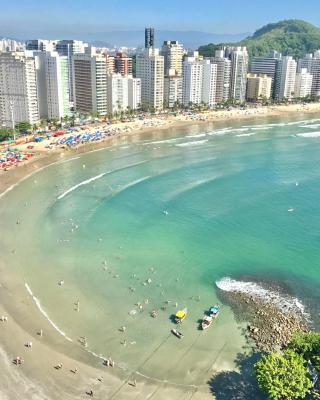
(283, 375)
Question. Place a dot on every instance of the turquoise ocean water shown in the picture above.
(158, 219)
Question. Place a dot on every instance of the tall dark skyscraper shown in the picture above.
(149, 38)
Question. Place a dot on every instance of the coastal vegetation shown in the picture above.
(290, 37)
(292, 373)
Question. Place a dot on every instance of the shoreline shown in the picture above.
(39, 373)
(43, 157)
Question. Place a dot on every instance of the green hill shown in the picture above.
(290, 37)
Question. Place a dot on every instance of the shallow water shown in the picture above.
(182, 209)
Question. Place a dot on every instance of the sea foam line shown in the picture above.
(194, 143)
(43, 312)
(94, 178)
(284, 303)
(309, 134)
(246, 134)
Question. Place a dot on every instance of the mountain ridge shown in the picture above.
(290, 37)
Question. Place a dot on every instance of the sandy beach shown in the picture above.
(37, 378)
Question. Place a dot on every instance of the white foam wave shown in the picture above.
(284, 303)
(226, 131)
(133, 183)
(246, 134)
(161, 141)
(193, 143)
(261, 128)
(197, 135)
(70, 159)
(309, 134)
(315, 126)
(43, 312)
(94, 178)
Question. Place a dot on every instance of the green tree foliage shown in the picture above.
(23, 126)
(5, 133)
(290, 37)
(308, 345)
(283, 375)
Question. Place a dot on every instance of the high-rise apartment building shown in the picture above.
(90, 82)
(285, 78)
(303, 84)
(192, 81)
(266, 66)
(123, 64)
(239, 69)
(41, 45)
(7, 45)
(199, 81)
(172, 89)
(173, 52)
(149, 38)
(123, 93)
(53, 84)
(110, 64)
(18, 89)
(223, 76)
(69, 48)
(209, 83)
(312, 63)
(150, 69)
(134, 93)
(258, 87)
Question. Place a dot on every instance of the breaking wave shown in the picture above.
(309, 134)
(269, 296)
(194, 143)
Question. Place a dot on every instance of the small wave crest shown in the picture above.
(43, 312)
(193, 143)
(94, 178)
(309, 134)
(283, 302)
(246, 134)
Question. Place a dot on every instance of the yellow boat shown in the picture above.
(180, 316)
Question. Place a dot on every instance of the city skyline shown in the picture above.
(83, 20)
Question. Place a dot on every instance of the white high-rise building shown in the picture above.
(150, 69)
(123, 93)
(18, 89)
(239, 69)
(69, 48)
(53, 85)
(10, 45)
(312, 63)
(134, 93)
(90, 82)
(172, 51)
(223, 76)
(172, 89)
(117, 93)
(209, 83)
(41, 45)
(285, 78)
(192, 81)
(199, 81)
(303, 84)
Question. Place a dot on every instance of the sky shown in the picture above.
(78, 18)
